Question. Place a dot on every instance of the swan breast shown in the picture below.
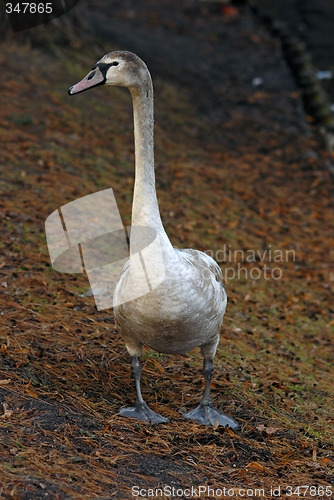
(185, 311)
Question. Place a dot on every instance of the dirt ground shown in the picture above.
(242, 174)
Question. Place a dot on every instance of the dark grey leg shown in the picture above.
(205, 413)
(208, 368)
(140, 410)
(136, 372)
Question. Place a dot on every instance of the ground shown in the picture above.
(239, 168)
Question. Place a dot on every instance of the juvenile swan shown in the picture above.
(186, 310)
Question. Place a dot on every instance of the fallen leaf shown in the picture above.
(179, 174)
(32, 393)
(230, 432)
(7, 413)
(267, 430)
(5, 381)
(29, 391)
(229, 10)
(314, 454)
(272, 430)
(255, 465)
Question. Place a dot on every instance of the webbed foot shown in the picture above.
(142, 412)
(206, 414)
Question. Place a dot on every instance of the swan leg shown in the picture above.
(140, 411)
(205, 413)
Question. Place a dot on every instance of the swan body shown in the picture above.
(186, 309)
(184, 312)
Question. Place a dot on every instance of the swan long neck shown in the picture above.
(145, 208)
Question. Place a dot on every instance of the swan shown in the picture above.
(186, 310)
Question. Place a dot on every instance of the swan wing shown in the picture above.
(200, 259)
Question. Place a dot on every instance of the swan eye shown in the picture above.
(115, 63)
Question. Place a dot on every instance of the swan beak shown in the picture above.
(94, 78)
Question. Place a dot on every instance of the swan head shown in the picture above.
(119, 68)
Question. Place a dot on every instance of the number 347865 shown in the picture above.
(28, 8)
